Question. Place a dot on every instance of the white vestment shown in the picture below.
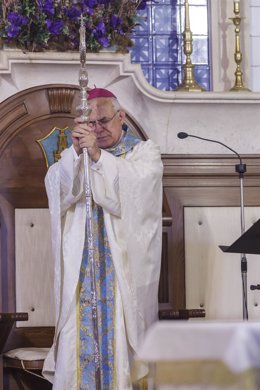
(130, 192)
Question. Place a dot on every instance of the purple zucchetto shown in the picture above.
(100, 93)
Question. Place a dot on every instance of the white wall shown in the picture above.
(254, 6)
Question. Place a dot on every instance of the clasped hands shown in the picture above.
(83, 136)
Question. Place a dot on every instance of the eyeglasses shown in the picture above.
(103, 121)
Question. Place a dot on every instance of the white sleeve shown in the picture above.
(104, 179)
(71, 178)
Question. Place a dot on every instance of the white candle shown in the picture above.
(236, 6)
(187, 15)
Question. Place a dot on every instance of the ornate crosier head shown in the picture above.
(83, 109)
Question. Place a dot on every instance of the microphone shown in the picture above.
(182, 135)
(241, 168)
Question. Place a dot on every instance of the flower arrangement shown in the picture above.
(37, 25)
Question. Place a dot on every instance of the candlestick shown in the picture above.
(239, 85)
(189, 83)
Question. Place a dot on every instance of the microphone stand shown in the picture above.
(240, 169)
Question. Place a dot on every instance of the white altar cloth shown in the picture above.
(203, 355)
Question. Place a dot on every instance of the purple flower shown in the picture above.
(85, 9)
(72, 13)
(142, 5)
(54, 27)
(12, 31)
(116, 21)
(100, 28)
(99, 33)
(105, 2)
(48, 7)
(90, 3)
(16, 20)
(103, 41)
(38, 24)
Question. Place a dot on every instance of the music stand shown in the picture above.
(248, 243)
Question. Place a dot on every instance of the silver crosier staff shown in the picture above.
(84, 111)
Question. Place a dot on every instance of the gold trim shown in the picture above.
(205, 372)
(78, 334)
(114, 320)
(143, 384)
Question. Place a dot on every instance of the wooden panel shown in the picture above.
(7, 256)
(213, 278)
(164, 278)
(6, 323)
(34, 266)
(17, 379)
(201, 180)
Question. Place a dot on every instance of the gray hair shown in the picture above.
(116, 105)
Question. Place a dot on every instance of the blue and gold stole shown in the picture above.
(105, 281)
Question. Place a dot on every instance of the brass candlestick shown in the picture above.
(239, 85)
(189, 83)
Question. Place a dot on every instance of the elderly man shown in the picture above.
(126, 183)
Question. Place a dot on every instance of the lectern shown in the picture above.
(248, 243)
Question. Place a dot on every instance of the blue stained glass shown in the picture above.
(166, 49)
(158, 43)
(202, 74)
(143, 23)
(140, 54)
(200, 50)
(147, 71)
(167, 2)
(162, 19)
(166, 76)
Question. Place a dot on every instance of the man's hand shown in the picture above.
(84, 137)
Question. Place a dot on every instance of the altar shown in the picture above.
(202, 355)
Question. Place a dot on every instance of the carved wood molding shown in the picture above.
(209, 170)
(60, 99)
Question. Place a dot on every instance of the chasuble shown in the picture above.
(126, 185)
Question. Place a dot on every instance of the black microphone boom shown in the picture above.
(183, 135)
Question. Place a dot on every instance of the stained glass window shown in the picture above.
(158, 42)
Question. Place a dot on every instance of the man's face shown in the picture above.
(106, 122)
